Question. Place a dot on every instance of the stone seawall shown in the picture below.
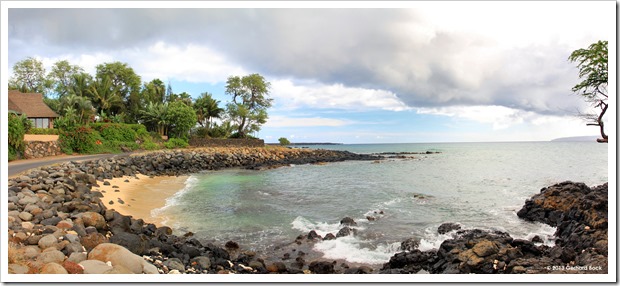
(213, 142)
(40, 149)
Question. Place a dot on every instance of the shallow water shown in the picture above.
(479, 185)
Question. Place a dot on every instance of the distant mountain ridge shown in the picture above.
(576, 139)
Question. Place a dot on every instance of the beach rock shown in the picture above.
(72, 267)
(48, 241)
(201, 262)
(137, 244)
(174, 263)
(90, 241)
(51, 255)
(321, 267)
(53, 268)
(18, 269)
(77, 257)
(118, 255)
(93, 219)
(94, 266)
(277, 267)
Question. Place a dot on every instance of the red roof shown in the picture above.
(30, 104)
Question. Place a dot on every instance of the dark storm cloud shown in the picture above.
(388, 49)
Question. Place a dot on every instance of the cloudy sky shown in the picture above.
(415, 72)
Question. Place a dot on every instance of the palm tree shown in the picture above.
(81, 105)
(79, 84)
(105, 96)
(207, 108)
(154, 115)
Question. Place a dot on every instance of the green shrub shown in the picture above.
(43, 131)
(81, 139)
(200, 132)
(115, 131)
(176, 142)
(12, 154)
(17, 127)
(150, 145)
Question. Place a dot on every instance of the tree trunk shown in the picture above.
(240, 130)
(601, 124)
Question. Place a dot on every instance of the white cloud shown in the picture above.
(337, 96)
(515, 124)
(192, 63)
(283, 121)
(500, 117)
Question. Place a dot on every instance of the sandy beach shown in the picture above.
(138, 195)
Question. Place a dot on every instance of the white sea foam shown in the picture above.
(351, 249)
(321, 228)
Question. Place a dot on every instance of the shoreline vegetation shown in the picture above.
(61, 221)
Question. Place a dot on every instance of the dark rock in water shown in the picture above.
(231, 245)
(321, 267)
(329, 236)
(345, 231)
(579, 213)
(164, 230)
(370, 218)
(448, 227)
(312, 235)
(347, 221)
(410, 244)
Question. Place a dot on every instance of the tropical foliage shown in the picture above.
(99, 111)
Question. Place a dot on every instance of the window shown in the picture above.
(40, 122)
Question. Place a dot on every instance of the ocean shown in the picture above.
(477, 185)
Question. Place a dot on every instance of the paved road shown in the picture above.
(17, 167)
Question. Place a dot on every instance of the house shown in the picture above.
(32, 105)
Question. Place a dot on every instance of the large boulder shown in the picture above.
(119, 255)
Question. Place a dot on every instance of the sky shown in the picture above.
(412, 72)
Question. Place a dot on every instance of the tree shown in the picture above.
(105, 97)
(154, 91)
(61, 77)
(29, 76)
(592, 64)
(284, 141)
(248, 109)
(127, 83)
(80, 84)
(154, 117)
(82, 107)
(181, 118)
(207, 108)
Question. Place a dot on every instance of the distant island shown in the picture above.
(576, 139)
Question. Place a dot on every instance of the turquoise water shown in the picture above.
(479, 185)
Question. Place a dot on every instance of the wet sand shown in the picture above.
(140, 195)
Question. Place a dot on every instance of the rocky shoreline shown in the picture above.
(578, 212)
(58, 224)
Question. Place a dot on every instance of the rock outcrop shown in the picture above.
(579, 212)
